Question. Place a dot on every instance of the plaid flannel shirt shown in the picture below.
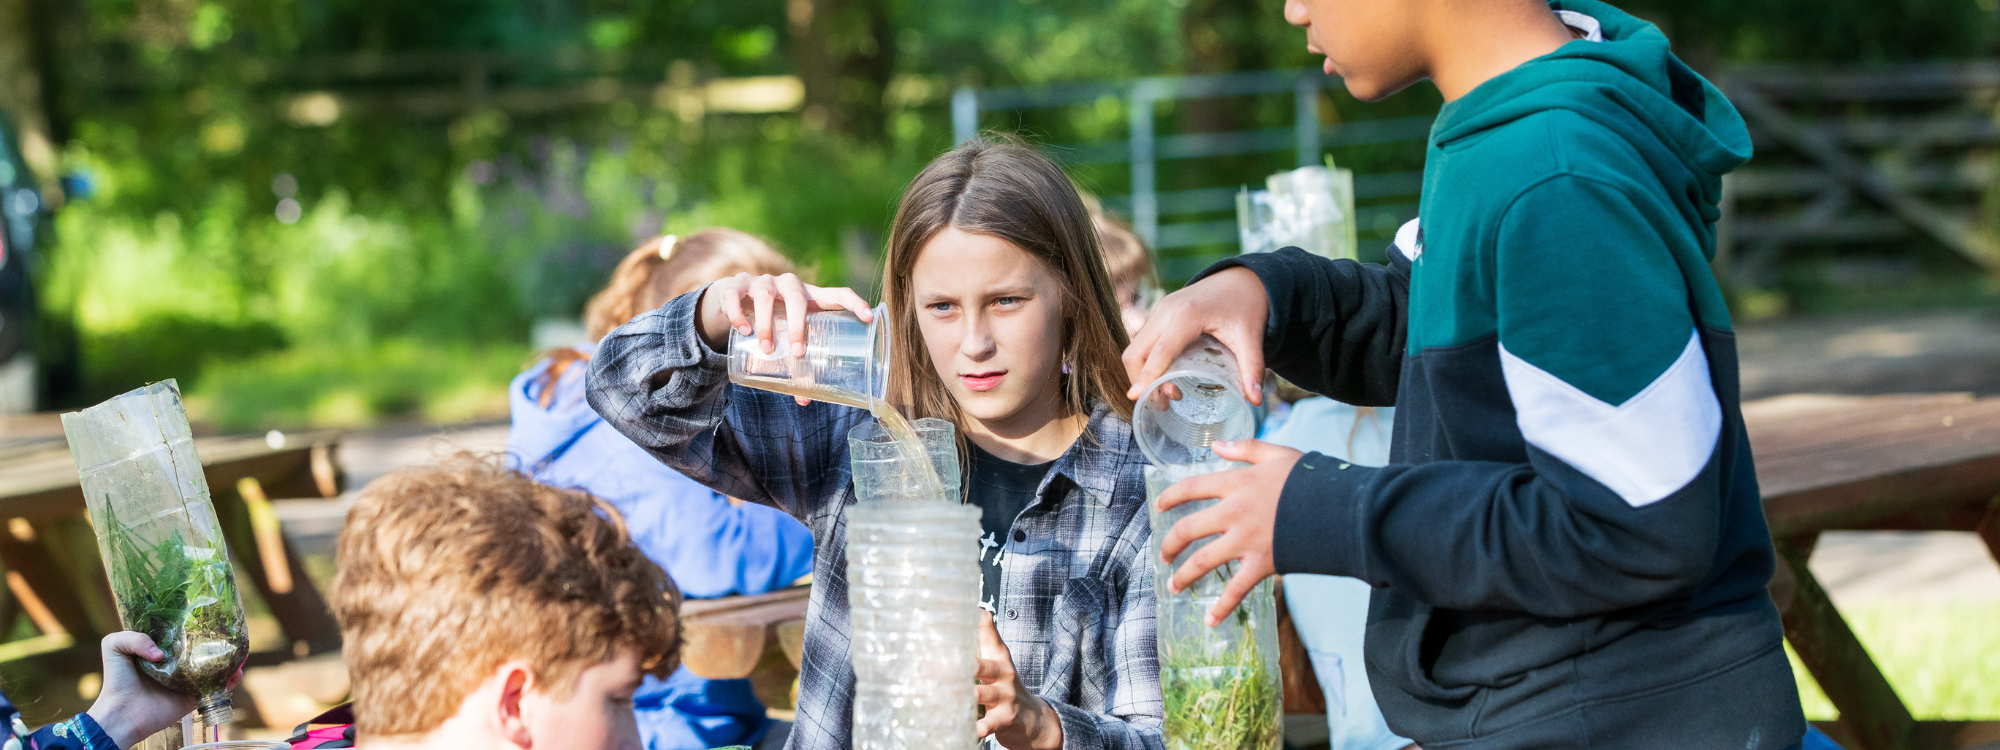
(1076, 588)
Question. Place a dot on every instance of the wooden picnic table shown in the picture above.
(759, 637)
(1824, 463)
(49, 552)
(1903, 462)
(1827, 463)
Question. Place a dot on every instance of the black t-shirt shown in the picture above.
(1001, 489)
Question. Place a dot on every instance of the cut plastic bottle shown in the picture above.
(913, 594)
(1222, 685)
(163, 549)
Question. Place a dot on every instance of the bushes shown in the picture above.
(350, 386)
(366, 307)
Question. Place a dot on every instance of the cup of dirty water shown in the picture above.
(846, 360)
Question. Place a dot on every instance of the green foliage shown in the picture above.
(184, 598)
(356, 385)
(1231, 706)
(452, 226)
(1227, 701)
(1828, 31)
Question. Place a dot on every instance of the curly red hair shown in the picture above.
(445, 572)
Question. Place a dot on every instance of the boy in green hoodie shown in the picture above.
(1568, 546)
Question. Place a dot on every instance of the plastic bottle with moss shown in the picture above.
(163, 549)
(1222, 685)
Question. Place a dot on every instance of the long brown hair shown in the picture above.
(658, 271)
(1004, 189)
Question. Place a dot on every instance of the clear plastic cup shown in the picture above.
(881, 473)
(846, 360)
(1196, 404)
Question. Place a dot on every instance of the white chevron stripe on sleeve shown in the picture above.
(1643, 449)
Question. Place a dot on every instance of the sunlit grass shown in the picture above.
(1942, 659)
(339, 387)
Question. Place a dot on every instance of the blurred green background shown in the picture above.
(332, 212)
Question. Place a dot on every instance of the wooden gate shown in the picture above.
(1895, 157)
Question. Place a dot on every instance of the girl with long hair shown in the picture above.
(711, 545)
(1006, 325)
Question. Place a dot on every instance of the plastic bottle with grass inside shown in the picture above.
(163, 549)
(1222, 685)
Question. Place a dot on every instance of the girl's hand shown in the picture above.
(131, 707)
(1018, 719)
(748, 303)
(1245, 516)
(1230, 305)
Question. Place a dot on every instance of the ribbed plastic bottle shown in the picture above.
(913, 593)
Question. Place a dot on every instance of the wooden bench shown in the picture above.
(760, 637)
(1905, 462)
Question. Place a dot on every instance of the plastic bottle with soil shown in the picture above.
(163, 549)
(1222, 685)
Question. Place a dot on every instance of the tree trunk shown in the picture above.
(1221, 36)
(844, 51)
(22, 94)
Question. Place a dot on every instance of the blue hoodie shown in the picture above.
(1568, 545)
(711, 546)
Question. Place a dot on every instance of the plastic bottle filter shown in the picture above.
(163, 549)
(1311, 208)
(1196, 404)
(912, 589)
(1222, 685)
(846, 361)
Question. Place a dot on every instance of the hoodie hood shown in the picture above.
(1631, 74)
(537, 431)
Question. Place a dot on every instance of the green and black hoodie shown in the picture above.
(1568, 545)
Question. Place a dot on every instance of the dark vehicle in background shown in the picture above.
(20, 212)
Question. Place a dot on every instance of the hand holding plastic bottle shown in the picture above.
(1245, 515)
(748, 303)
(131, 707)
(1232, 306)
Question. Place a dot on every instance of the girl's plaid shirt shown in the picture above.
(1076, 590)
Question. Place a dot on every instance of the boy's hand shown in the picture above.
(1020, 720)
(1231, 305)
(131, 706)
(1245, 517)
